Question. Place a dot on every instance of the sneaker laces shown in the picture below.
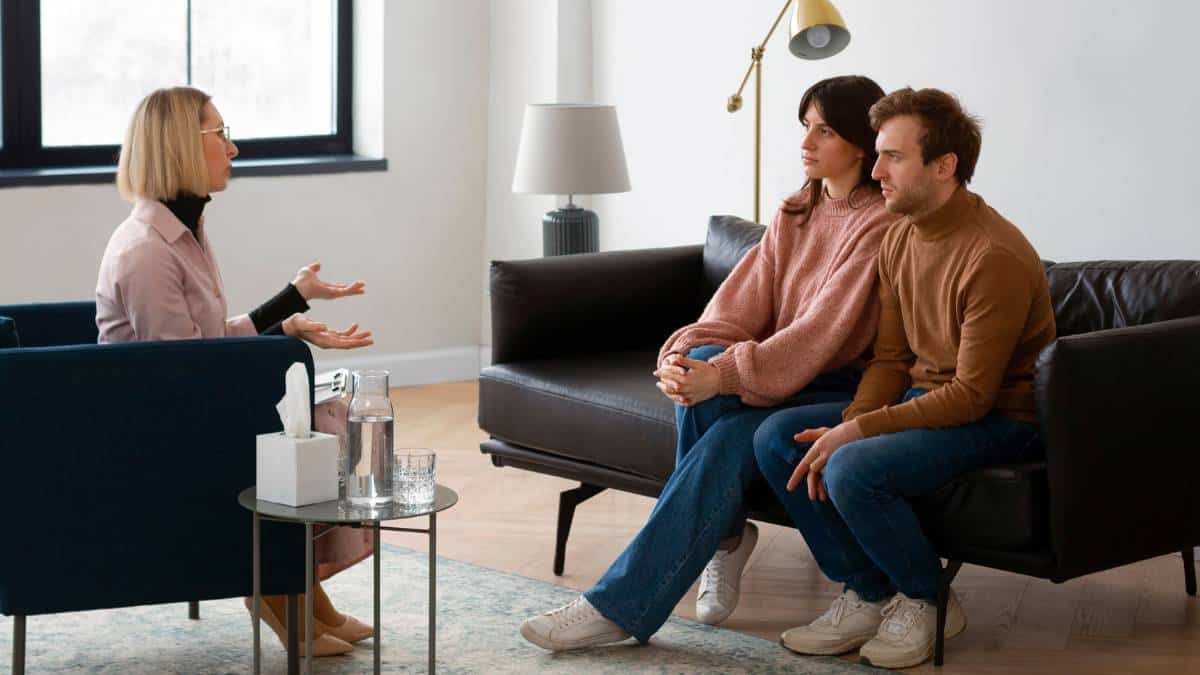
(714, 572)
(900, 614)
(573, 612)
(842, 605)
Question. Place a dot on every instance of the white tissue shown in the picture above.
(294, 410)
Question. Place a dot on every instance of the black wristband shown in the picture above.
(285, 303)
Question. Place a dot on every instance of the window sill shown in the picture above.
(291, 166)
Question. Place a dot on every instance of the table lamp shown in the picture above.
(817, 32)
(570, 149)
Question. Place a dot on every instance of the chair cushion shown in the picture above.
(8, 333)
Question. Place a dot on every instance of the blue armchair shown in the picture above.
(121, 466)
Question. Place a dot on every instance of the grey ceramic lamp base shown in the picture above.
(570, 230)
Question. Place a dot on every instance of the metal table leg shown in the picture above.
(378, 634)
(432, 590)
(255, 609)
(308, 599)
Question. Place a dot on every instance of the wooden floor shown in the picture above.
(1136, 619)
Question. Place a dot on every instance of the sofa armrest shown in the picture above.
(593, 302)
(1119, 410)
(122, 464)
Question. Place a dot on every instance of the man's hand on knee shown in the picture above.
(825, 442)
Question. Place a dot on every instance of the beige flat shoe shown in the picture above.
(351, 630)
(324, 644)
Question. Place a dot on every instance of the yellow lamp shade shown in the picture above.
(817, 30)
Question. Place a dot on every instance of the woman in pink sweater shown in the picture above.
(787, 328)
(159, 280)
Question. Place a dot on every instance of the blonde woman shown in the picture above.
(159, 281)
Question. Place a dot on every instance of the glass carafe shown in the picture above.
(368, 461)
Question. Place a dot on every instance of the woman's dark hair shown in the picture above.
(844, 103)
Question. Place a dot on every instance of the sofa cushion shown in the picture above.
(999, 508)
(729, 237)
(605, 410)
(8, 333)
(1090, 296)
(601, 409)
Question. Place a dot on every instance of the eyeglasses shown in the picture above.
(221, 132)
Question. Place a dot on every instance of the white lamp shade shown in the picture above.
(570, 148)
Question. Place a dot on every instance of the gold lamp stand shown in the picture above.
(817, 32)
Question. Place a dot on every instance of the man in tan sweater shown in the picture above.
(965, 310)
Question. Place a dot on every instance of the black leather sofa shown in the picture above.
(570, 393)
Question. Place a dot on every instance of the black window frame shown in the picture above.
(21, 82)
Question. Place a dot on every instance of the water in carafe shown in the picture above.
(368, 464)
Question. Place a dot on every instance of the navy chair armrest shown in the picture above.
(46, 324)
(1118, 410)
(121, 468)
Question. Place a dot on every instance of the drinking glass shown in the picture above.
(415, 476)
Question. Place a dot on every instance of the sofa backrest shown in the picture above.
(1104, 294)
(729, 237)
(1087, 296)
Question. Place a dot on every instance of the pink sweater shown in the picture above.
(801, 302)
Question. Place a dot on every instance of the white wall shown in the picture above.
(414, 233)
(1089, 109)
(523, 62)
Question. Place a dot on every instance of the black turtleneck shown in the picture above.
(188, 209)
(267, 317)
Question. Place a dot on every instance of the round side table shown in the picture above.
(343, 513)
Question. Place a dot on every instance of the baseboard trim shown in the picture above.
(412, 368)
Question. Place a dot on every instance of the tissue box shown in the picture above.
(297, 471)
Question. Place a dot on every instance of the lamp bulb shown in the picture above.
(818, 36)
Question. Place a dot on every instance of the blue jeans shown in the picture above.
(867, 535)
(700, 505)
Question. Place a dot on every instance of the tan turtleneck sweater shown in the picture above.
(965, 309)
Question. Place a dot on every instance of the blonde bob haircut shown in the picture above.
(163, 153)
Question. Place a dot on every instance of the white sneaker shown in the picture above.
(849, 623)
(909, 630)
(572, 626)
(721, 581)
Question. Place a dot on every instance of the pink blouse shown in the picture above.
(158, 282)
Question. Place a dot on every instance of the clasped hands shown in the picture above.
(687, 381)
(311, 287)
(825, 442)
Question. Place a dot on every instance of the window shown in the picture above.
(74, 70)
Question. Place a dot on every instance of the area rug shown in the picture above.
(479, 610)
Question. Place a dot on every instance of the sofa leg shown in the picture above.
(948, 574)
(1189, 570)
(567, 501)
(18, 656)
(293, 634)
(194, 610)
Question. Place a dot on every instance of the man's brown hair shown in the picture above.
(948, 128)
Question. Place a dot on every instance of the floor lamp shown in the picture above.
(817, 32)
